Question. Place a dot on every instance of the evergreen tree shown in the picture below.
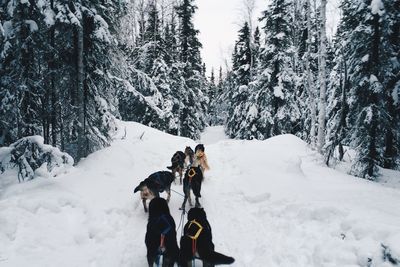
(195, 102)
(365, 25)
(212, 94)
(242, 61)
(275, 97)
(255, 52)
(58, 44)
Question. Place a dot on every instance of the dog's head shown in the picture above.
(197, 214)
(189, 151)
(157, 207)
(199, 147)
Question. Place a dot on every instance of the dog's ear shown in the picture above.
(139, 187)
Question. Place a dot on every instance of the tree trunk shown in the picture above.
(80, 94)
(309, 78)
(53, 89)
(343, 112)
(322, 95)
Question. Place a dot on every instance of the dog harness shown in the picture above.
(195, 234)
(167, 228)
(191, 174)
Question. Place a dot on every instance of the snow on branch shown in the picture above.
(34, 158)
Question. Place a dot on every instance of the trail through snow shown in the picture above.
(270, 203)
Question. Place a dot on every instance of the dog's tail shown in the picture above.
(218, 258)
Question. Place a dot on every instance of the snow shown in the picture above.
(49, 17)
(396, 93)
(278, 91)
(280, 35)
(212, 135)
(32, 25)
(365, 58)
(377, 7)
(270, 203)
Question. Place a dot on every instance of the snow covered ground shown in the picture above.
(270, 203)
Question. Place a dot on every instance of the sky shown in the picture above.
(220, 20)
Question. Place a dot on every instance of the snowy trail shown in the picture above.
(270, 203)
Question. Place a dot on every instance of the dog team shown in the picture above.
(196, 241)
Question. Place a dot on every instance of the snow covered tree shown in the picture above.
(370, 54)
(239, 95)
(255, 52)
(275, 96)
(21, 84)
(195, 101)
(62, 52)
(337, 107)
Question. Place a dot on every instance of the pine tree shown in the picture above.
(255, 52)
(368, 59)
(195, 105)
(275, 98)
(212, 94)
(337, 107)
(56, 45)
(242, 60)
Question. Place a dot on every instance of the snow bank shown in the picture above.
(33, 158)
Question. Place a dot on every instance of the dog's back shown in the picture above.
(193, 179)
(161, 179)
(177, 160)
(161, 223)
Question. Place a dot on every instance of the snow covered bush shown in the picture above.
(34, 158)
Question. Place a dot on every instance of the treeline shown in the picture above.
(68, 69)
(334, 94)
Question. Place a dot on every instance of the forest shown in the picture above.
(70, 69)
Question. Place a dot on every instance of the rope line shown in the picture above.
(178, 193)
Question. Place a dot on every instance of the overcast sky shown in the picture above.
(220, 20)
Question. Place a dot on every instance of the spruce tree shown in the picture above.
(195, 101)
(279, 112)
(368, 60)
(242, 60)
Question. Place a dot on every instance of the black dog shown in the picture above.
(161, 235)
(155, 184)
(193, 179)
(178, 164)
(197, 242)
